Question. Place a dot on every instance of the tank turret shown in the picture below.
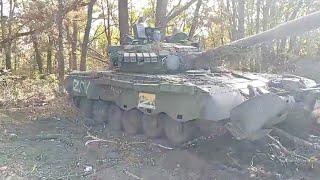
(149, 53)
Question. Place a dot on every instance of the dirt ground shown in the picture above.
(63, 148)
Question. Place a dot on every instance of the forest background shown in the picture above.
(46, 39)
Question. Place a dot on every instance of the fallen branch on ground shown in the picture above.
(283, 155)
(95, 139)
(290, 139)
(132, 175)
(162, 146)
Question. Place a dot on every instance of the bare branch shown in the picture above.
(174, 8)
(179, 11)
(17, 35)
(76, 4)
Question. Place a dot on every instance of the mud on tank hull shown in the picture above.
(179, 107)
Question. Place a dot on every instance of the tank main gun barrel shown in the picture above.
(290, 28)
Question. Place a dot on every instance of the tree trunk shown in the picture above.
(49, 55)
(161, 14)
(37, 53)
(9, 44)
(250, 22)
(3, 28)
(7, 32)
(69, 45)
(222, 9)
(2, 20)
(266, 15)
(74, 45)
(241, 13)
(106, 23)
(195, 20)
(109, 23)
(8, 54)
(281, 45)
(234, 20)
(60, 55)
(229, 19)
(258, 16)
(273, 9)
(123, 19)
(265, 48)
(84, 49)
(293, 39)
(293, 46)
(16, 58)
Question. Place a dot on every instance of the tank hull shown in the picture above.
(183, 102)
(225, 99)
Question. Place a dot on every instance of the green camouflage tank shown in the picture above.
(152, 89)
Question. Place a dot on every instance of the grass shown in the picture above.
(33, 96)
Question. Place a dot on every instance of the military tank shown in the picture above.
(155, 88)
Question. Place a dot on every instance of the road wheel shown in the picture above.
(114, 117)
(76, 101)
(131, 121)
(177, 132)
(100, 112)
(86, 107)
(152, 126)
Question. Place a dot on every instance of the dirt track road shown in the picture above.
(55, 148)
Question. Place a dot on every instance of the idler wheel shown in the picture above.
(100, 111)
(152, 126)
(177, 132)
(86, 107)
(114, 117)
(131, 121)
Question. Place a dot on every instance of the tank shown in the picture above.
(156, 88)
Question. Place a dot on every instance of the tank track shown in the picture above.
(134, 121)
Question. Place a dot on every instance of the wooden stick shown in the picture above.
(293, 139)
(96, 139)
(132, 175)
